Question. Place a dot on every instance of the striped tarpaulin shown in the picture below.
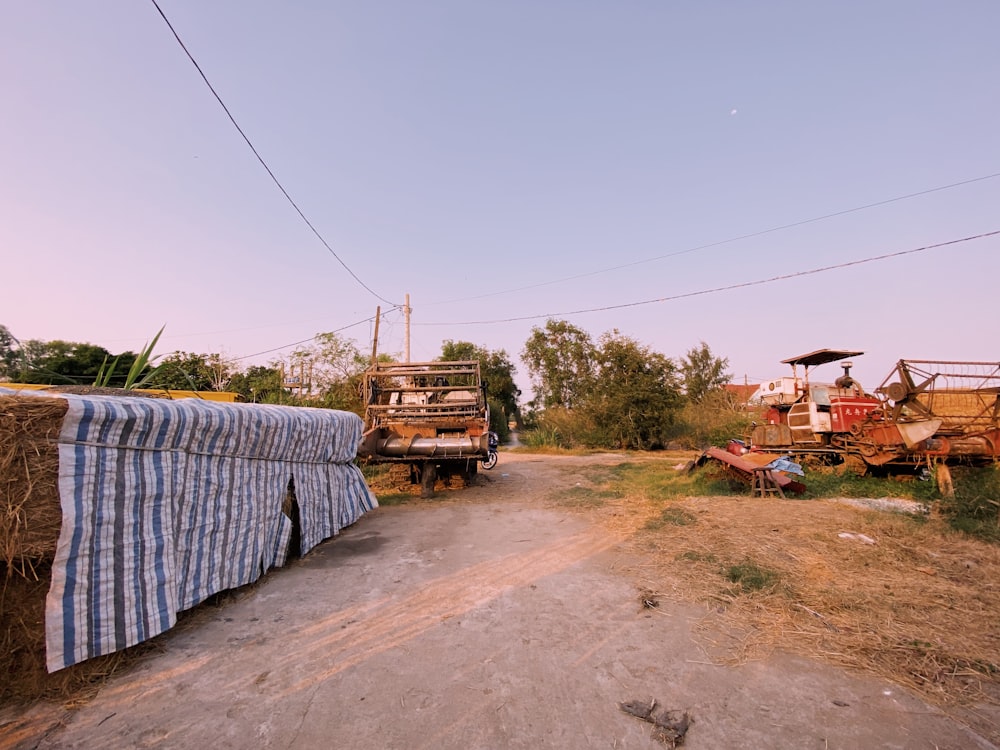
(168, 502)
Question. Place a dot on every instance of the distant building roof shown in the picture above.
(740, 391)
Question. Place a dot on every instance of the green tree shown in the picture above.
(332, 367)
(703, 373)
(497, 372)
(635, 397)
(66, 362)
(184, 371)
(10, 355)
(258, 384)
(560, 361)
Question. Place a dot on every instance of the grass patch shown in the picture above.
(549, 450)
(653, 480)
(692, 556)
(394, 498)
(750, 576)
(585, 497)
(841, 482)
(709, 483)
(373, 472)
(607, 477)
(671, 517)
(656, 481)
(975, 509)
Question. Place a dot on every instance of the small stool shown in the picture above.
(765, 483)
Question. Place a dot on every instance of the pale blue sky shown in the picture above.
(462, 151)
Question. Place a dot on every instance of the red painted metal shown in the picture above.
(845, 412)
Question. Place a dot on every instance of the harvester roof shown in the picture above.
(820, 357)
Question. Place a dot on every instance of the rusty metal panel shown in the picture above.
(771, 436)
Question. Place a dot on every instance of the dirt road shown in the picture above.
(483, 619)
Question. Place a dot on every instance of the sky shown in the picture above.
(503, 163)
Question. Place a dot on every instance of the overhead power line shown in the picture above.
(730, 287)
(709, 245)
(261, 160)
(303, 341)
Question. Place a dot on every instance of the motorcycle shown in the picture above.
(490, 460)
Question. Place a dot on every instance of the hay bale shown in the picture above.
(30, 522)
(22, 647)
(22, 633)
(30, 512)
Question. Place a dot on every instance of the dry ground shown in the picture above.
(890, 594)
(518, 612)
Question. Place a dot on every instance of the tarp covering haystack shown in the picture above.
(146, 507)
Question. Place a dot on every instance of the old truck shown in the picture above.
(430, 417)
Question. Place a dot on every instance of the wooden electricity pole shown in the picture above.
(378, 314)
(406, 315)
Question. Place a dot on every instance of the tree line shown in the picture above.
(618, 393)
(612, 392)
(327, 373)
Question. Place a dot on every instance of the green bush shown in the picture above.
(558, 428)
(539, 437)
(498, 421)
(715, 420)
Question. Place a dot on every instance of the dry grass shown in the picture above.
(22, 649)
(918, 607)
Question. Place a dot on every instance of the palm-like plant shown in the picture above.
(135, 377)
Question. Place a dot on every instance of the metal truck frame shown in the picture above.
(431, 416)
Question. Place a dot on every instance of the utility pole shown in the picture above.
(378, 314)
(406, 315)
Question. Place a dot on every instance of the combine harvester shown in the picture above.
(924, 414)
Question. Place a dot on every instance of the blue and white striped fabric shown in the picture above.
(168, 502)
